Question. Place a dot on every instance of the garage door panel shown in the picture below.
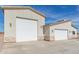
(26, 30)
(61, 35)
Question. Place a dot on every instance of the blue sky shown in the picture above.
(1, 21)
(53, 13)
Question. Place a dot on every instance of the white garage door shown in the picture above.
(26, 30)
(61, 35)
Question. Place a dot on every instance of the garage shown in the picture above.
(60, 30)
(22, 23)
(26, 29)
(61, 35)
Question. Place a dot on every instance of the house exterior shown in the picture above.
(61, 30)
(22, 23)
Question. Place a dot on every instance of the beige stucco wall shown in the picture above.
(10, 17)
(65, 25)
(46, 33)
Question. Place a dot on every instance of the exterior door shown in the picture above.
(61, 35)
(26, 30)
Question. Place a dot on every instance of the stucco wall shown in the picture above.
(10, 17)
(46, 33)
(67, 26)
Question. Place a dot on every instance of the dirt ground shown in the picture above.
(42, 47)
(1, 40)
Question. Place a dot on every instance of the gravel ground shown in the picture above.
(1, 44)
(42, 47)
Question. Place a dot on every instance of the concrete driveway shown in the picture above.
(42, 47)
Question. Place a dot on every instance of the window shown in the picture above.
(73, 32)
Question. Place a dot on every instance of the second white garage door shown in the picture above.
(61, 35)
(26, 30)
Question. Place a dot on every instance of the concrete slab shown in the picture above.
(42, 47)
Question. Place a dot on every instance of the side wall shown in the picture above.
(46, 33)
(10, 19)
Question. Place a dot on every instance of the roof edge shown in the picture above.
(22, 7)
(74, 26)
(57, 23)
